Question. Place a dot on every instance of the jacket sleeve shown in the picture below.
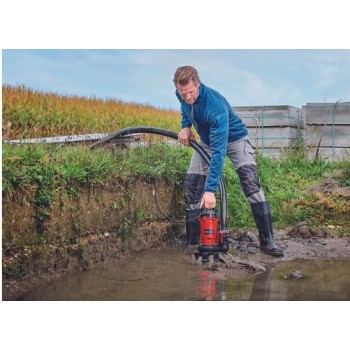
(185, 120)
(219, 128)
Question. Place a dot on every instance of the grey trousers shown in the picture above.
(242, 155)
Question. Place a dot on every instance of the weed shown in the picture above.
(140, 216)
(125, 228)
(15, 271)
(83, 254)
(78, 227)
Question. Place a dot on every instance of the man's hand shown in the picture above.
(185, 135)
(208, 200)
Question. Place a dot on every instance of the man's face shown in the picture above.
(189, 92)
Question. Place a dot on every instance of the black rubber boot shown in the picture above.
(194, 186)
(262, 217)
(192, 227)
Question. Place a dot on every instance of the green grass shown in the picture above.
(54, 167)
(48, 168)
(285, 182)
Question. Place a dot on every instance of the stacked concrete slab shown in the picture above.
(273, 129)
(327, 130)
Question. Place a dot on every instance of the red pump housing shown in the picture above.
(209, 223)
(212, 239)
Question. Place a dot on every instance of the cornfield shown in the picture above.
(30, 114)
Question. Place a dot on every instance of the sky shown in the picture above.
(246, 77)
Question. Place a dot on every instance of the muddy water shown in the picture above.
(174, 275)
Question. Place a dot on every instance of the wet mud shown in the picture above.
(171, 272)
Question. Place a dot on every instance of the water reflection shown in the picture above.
(173, 275)
(211, 287)
(262, 286)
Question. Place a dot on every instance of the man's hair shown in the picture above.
(184, 75)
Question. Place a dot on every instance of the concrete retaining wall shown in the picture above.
(273, 128)
(323, 128)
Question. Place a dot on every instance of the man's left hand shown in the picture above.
(208, 200)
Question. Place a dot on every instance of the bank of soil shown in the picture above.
(103, 223)
(52, 261)
(118, 220)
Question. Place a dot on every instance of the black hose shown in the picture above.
(171, 134)
(167, 216)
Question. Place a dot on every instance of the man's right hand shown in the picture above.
(185, 135)
(208, 200)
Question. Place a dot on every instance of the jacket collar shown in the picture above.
(200, 94)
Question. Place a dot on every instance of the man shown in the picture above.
(221, 133)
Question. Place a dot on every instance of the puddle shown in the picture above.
(172, 275)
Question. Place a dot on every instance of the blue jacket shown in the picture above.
(216, 124)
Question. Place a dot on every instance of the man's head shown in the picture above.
(187, 82)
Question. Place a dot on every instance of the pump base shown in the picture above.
(205, 251)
